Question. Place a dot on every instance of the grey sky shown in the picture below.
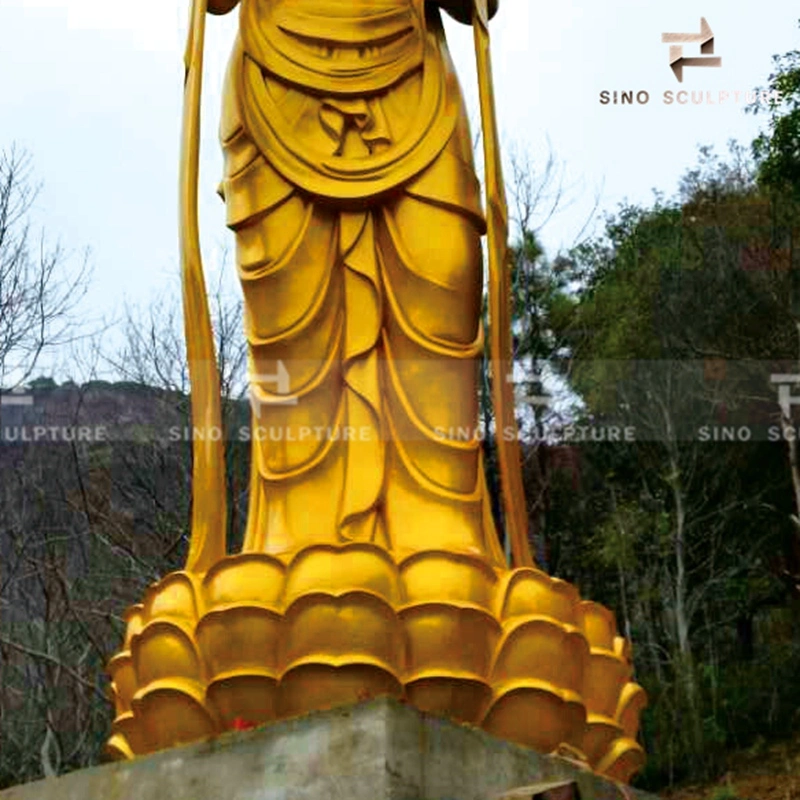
(92, 88)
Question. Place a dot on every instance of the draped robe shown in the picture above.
(350, 187)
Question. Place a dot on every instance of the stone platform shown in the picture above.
(378, 750)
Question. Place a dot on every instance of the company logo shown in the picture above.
(786, 399)
(281, 397)
(678, 61)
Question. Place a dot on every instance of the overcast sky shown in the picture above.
(93, 90)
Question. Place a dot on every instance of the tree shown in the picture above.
(40, 289)
(777, 154)
(536, 193)
(154, 355)
(87, 526)
(777, 150)
(680, 527)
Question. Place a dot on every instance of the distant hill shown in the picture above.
(98, 412)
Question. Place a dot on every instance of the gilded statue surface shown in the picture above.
(371, 563)
(351, 192)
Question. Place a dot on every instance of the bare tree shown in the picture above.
(85, 527)
(153, 351)
(153, 354)
(40, 288)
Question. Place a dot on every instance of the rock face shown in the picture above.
(379, 750)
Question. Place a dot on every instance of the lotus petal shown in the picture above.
(243, 695)
(239, 637)
(600, 733)
(173, 597)
(623, 761)
(134, 622)
(632, 702)
(440, 576)
(526, 591)
(537, 715)
(172, 712)
(118, 749)
(449, 637)
(606, 675)
(356, 625)
(314, 686)
(165, 650)
(541, 649)
(247, 579)
(123, 677)
(129, 729)
(623, 648)
(598, 623)
(463, 697)
(327, 568)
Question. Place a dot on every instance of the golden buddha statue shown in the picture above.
(371, 564)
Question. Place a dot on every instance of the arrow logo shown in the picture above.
(676, 57)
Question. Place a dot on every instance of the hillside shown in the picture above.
(765, 772)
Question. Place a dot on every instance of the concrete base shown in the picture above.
(379, 750)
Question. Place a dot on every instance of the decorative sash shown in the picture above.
(335, 46)
(301, 133)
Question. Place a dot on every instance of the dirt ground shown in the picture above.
(764, 773)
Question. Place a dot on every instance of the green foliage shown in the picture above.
(42, 383)
(689, 540)
(724, 793)
(778, 149)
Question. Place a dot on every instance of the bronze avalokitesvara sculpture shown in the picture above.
(371, 564)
